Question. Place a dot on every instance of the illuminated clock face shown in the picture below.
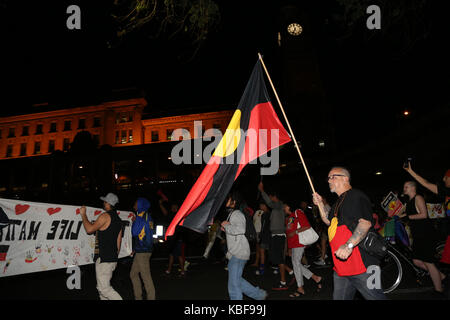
(294, 29)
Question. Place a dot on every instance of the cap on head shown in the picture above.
(111, 198)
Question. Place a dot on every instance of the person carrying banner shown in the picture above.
(142, 232)
(238, 251)
(108, 228)
(349, 221)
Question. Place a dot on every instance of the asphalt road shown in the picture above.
(204, 280)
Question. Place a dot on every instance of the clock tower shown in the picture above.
(303, 93)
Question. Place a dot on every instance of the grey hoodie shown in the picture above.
(237, 243)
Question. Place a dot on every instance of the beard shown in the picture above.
(332, 188)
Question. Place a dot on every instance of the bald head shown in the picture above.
(339, 180)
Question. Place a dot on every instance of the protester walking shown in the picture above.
(277, 251)
(349, 221)
(142, 232)
(257, 223)
(108, 228)
(297, 222)
(262, 226)
(423, 234)
(442, 189)
(321, 230)
(238, 251)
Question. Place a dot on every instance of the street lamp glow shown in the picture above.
(378, 173)
(321, 143)
(406, 113)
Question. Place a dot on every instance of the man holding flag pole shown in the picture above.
(253, 117)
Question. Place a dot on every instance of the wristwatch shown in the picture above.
(350, 245)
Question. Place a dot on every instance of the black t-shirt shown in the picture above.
(356, 205)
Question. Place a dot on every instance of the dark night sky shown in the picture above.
(45, 62)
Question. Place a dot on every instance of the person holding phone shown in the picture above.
(442, 189)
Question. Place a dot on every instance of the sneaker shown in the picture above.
(307, 266)
(320, 262)
(186, 265)
(275, 270)
(280, 287)
(261, 270)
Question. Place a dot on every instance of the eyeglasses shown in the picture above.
(335, 175)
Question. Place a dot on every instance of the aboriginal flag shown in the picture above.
(253, 130)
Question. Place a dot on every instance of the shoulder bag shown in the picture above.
(308, 236)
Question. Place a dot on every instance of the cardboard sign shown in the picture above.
(435, 210)
(392, 205)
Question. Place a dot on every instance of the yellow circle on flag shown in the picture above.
(230, 140)
(332, 229)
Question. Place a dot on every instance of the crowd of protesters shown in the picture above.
(278, 247)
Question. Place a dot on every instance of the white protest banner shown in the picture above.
(43, 236)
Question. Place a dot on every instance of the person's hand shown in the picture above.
(83, 210)
(408, 167)
(343, 252)
(317, 199)
(223, 224)
(261, 186)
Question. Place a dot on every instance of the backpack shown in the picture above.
(250, 231)
(142, 231)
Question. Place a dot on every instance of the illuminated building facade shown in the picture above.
(73, 155)
(117, 123)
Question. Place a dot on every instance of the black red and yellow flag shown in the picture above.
(255, 114)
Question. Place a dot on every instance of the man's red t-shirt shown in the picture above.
(296, 220)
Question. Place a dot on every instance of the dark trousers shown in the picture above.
(345, 287)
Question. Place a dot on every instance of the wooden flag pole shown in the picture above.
(290, 129)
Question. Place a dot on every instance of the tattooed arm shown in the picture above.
(358, 235)
(360, 232)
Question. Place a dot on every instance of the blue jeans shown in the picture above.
(345, 287)
(238, 285)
